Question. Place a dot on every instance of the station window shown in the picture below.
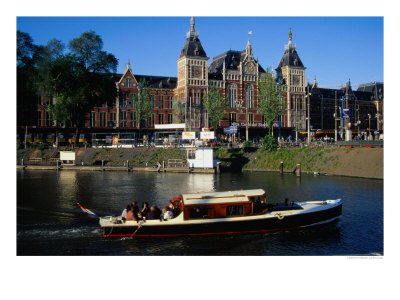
(234, 210)
(169, 118)
(128, 82)
(102, 119)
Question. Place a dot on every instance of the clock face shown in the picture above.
(296, 80)
(249, 68)
(196, 72)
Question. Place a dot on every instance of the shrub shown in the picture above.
(269, 143)
(246, 146)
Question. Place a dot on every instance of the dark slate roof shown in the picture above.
(330, 94)
(159, 82)
(156, 82)
(290, 58)
(375, 88)
(193, 47)
(232, 62)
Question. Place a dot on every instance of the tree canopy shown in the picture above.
(80, 80)
(142, 103)
(215, 105)
(270, 102)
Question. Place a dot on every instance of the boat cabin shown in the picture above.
(221, 204)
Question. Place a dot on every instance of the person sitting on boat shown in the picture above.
(145, 209)
(125, 211)
(171, 205)
(135, 208)
(152, 214)
(139, 217)
(130, 216)
(167, 214)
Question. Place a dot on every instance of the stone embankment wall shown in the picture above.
(358, 162)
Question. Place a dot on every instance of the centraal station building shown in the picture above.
(236, 75)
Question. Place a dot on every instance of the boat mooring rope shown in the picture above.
(279, 216)
(139, 226)
(112, 227)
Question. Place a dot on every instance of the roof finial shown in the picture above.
(128, 66)
(248, 48)
(290, 35)
(192, 25)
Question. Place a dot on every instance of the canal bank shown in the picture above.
(354, 162)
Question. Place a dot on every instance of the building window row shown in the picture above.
(197, 82)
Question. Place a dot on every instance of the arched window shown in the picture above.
(249, 96)
(232, 95)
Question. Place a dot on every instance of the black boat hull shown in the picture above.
(275, 223)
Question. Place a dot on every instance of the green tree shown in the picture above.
(80, 80)
(270, 103)
(215, 104)
(28, 55)
(142, 103)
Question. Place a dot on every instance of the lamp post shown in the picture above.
(335, 116)
(280, 108)
(369, 125)
(308, 113)
(377, 121)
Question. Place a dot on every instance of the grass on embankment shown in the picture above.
(359, 162)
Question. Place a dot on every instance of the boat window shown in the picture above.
(234, 210)
(258, 205)
(198, 212)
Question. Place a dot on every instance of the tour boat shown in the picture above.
(228, 212)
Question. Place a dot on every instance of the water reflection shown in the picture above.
(67, 188)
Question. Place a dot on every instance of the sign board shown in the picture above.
(67, 155)
(115, 140)
(188, 135)
(170, 126)
(230, 130)
(204, 135)
(346, 113)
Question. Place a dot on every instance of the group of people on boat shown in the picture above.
(133, 213)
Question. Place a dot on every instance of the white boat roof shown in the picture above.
(220, 197)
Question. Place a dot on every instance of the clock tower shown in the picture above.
(192, 82)
(292, 72)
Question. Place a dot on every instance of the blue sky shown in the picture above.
(333, 49)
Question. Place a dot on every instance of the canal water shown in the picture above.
(50, 223)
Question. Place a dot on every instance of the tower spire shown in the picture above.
(290, 35)
(192, 24)
(248, 48)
